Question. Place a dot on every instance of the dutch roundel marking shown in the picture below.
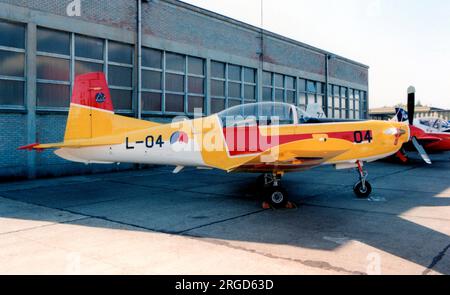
(179, 137)
(100, 97)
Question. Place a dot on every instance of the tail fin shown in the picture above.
(91, 90)
(91, 111)
(91, 120)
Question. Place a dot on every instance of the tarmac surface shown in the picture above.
(209, 222)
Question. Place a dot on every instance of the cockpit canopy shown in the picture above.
(435, 123)
(262, 114)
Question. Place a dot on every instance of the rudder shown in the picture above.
(91, 111)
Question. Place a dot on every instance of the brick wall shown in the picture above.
(116, 13)
(12, 135)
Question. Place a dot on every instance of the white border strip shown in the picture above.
(90, 108)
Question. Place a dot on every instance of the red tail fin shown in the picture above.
(91, 90)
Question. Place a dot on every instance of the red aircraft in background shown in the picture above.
(428, 135)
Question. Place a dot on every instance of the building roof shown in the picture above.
(391, 110)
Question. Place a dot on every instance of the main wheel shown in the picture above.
(362, 193)
(277, 197)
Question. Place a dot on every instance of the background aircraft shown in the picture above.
(428, 135)
(269, 138)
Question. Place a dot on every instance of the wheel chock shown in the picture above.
(290, 205)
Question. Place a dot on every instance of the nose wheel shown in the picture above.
(362, 188)
(277, 197)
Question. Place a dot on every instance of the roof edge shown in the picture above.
(256, 29)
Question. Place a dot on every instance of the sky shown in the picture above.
(405, 42)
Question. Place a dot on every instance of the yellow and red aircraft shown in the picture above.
(270, 138)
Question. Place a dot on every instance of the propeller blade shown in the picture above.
(411, 104)
(421, 151)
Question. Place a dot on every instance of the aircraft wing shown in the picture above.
(311, 152)
(424, 140)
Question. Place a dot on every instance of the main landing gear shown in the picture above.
(275, 195)
(362, 188)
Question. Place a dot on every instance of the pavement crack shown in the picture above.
(219, 221)
(436, 260)
(44, 226)
(323, 265)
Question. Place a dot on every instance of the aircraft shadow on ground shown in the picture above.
(226, 207)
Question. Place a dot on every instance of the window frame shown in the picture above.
(230, 101)
(21, 79)
(163, 92)
(273, 87)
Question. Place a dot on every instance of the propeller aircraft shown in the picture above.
(428, 135)
(268, 138)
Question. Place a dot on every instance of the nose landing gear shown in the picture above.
(362, 188)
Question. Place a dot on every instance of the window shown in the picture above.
(312, 89)
(88, 47)
(279, 88)
(267, 86)
(88, 55)
(249, 85)
(52, 41)
(290, 90)
(330, 113)
(196, 84)
(171, 82)
(231, 85)
(151, 101)
(302, 93)
(175, 62)
(337, 102)
(120, 75)
(320, 97)
(120, 53)
(311, 92)
(351, 104)
(152, 80)
(59, 54)
(175, 78)
(364, 104)
(53, 68)
(357, 105)
(12, 64)
(344, 105)
(218, 70)
(234, 85)
(218, 86)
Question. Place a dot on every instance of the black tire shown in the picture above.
(277, 197)
(360, 192)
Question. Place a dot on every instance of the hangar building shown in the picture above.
(189, 58)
